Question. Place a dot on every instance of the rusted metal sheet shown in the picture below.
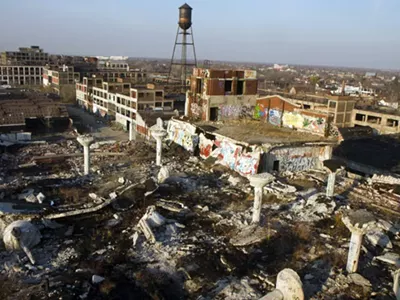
(215, 87)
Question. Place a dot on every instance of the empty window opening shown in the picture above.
(198, 86)
(228, 86)
(392, 123)
(240, 85)
(374, 120)
(332, 104)
(360, 117)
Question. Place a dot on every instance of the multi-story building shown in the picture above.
(23, 67)
(21, 75)
(112, 65)
(33, 56)
(119, 100)
(84, 91)
(220, 94)
(60, 78)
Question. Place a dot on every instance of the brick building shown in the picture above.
(220, 94)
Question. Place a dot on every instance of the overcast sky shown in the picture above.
(360, 33)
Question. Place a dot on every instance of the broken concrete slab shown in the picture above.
(390, 258)
(378, 238)
(359, 280)
(250, 235)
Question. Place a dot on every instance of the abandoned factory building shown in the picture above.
(221, 94)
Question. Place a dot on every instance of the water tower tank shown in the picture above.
(185, 16)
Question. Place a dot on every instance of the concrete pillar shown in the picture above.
(86, 141)
(354, 251)
(358, 222)
(258, 181)
(288, 287)
(330, 189)
(159, 135)
(132, 132)
(396, 284)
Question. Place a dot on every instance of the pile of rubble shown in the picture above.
(188, 229)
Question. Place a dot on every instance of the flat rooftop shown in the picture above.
(16, 106)
(257, 132)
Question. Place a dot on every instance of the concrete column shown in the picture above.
(132, 132)
(258, 181)
(159, 135)
(358, 222)
(330, 189)
(354, 251)
(86, 141)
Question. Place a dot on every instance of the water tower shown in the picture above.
(184, 25)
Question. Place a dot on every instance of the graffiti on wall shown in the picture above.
(297, 159)
(205, 146)
(196, 110)
(182, 135)
(299, 121)
(260, 111)
(235, 111)
(292, 120)
(275, 117)
(314, 124)
(247, 163)
(228, 153)
(232, 156)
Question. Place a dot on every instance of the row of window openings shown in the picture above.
(228, 87)
(376, 120)
(21, 71)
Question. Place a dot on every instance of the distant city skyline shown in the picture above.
(357, 33)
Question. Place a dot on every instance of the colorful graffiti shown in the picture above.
(182, 135)
(260, 111)
(205, 146)
(304, 122)
(247, 163)
(232, 156)
(275, 117)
